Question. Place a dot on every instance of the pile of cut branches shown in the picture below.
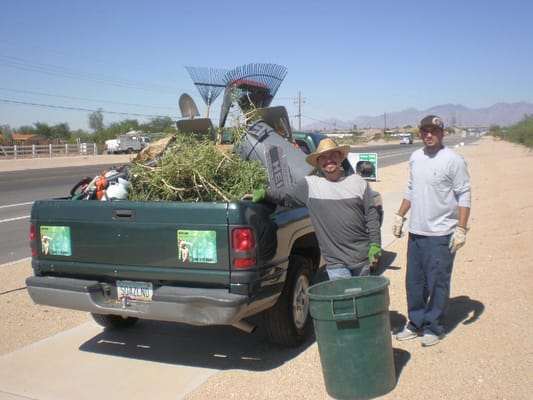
(192, 170)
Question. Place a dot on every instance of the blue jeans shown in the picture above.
(427, 283)
(341, 271)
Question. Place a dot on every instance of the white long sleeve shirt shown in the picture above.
(438, 185)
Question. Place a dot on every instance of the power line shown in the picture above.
(49, 69)
(83, 98)
(315, 119)
(83, 109)
(32, 48)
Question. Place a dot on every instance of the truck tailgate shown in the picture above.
(174, 241)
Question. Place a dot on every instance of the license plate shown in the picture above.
(135, 291)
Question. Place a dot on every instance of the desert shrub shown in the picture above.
(192, 170)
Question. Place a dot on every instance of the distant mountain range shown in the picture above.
(502, 114)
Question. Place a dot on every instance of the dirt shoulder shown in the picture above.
(488, 352)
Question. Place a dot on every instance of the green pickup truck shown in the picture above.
(199, 263)
(123, 261)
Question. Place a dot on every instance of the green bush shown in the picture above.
(194, 170)
(521, 133)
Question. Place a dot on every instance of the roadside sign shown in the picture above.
(355, 158)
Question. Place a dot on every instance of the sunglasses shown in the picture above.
(432, 129)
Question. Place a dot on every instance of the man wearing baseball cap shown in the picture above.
(438, 198)
(341, 208)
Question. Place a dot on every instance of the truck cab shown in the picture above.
(308, 142)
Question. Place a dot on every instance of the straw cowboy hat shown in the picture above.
(325, 145)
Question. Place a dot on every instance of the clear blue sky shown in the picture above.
(348, 58)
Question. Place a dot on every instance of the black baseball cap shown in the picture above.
(432, 120)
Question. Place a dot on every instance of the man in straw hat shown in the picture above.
(341, 208)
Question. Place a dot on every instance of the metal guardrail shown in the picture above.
(47, 150)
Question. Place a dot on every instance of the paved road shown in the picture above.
(24, 181)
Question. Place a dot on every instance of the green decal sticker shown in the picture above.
(55, 240)
(197, 246)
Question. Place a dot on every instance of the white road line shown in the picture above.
(16, 205)
(14, 219)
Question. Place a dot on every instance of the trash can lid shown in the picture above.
(346, 288)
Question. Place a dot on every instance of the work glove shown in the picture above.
(458, 239)
(258, 195)
(397, 225)
(374, 253)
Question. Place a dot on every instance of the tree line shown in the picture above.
(99, 131)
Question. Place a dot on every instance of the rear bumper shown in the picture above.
(194, 306)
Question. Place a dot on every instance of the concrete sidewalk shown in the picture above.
(159, 360)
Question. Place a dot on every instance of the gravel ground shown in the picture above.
(487, 354)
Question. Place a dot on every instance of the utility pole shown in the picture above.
(299, 101)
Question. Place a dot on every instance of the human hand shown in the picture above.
(258, 195)
(397, 225)
(458, 239)
(374, 253)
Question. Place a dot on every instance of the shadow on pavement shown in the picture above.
(397, 321)
(216, 347)
(401, 358)
(385, 262)
(462, 309)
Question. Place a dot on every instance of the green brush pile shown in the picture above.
(192, 170)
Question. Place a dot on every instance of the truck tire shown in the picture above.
(288, 322)
(114, 321)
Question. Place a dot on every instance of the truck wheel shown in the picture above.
(114, 321)
(288, 322)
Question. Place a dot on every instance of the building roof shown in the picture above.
(23, 136)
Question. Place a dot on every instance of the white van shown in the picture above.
(111, 146)
(406, 138)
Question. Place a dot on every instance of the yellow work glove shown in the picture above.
(397, 225)
(374, 253)
(458, 239)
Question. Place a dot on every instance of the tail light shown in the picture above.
(33, 245)
(243, 245)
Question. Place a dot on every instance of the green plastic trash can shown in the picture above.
(352, 328)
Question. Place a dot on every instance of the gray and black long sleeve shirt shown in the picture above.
(343, 214)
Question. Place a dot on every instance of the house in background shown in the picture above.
(20, 139)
